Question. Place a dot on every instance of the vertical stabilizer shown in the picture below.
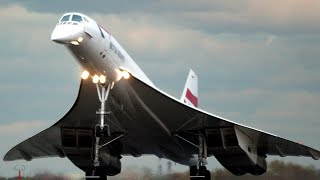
(190, 91)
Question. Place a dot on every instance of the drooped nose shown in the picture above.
(66, 33)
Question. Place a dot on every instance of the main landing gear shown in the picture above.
(199, 171)
(96, 171)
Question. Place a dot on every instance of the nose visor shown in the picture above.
(68, 33)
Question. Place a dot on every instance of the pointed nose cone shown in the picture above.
(66, 33)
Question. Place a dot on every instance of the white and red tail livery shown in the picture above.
(190, 92)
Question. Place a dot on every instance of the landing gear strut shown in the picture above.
(101, 130)
(199, 171)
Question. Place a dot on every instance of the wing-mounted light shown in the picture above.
(122, 73)
(126, 74)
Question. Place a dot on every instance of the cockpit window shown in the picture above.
(76, 18)
(65, 18)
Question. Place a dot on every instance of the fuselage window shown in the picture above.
(76, 18)
(65, 18)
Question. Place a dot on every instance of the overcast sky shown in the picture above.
(257, 63)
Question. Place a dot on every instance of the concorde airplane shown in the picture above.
(120, 112)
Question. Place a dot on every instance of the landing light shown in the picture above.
(85, 74)
(122, 74)
(125, 75)
(119, 74)
(80, 39)
(103, 79)
(75, 43)
(95, 79)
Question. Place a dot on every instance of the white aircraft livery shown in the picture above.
(120, 112)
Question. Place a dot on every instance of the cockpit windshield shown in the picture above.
(76, 18)
(65, 18)
(71, 19)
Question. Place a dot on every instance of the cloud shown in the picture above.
(285, 12)
(22, 127)
(175, 47)
(30, 22)
(263, 16)
(270, 39)
(249, 16)
(34, 68)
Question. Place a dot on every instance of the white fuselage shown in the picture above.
(96, 50)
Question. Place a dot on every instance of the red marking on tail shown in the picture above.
(192, 98)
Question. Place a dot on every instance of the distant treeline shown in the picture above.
(277, 170)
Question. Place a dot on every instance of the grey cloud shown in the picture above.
(84, 6)
(122, 6)
(244, 17)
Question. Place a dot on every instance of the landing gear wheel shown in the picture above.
(201, 173)
(207, 175)
(193, 171)
(95, 173)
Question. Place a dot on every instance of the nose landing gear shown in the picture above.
(96, 171)
(199, 173)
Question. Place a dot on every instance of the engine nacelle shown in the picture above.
(236, 151)
(241, 164)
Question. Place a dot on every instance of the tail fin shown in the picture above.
(190, 92)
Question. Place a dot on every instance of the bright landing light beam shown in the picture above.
(80, 39)
(122, 74)
(85, 74)
(95, 79)
(125, 75)
(75, 43)
(102, 79)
